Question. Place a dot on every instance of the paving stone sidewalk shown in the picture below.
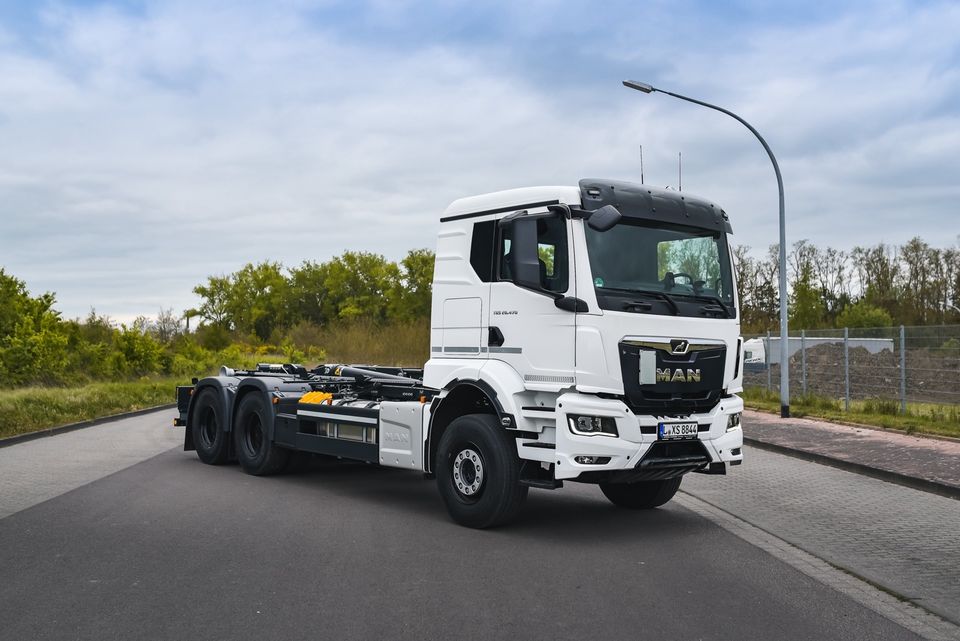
(926, 460)
(899, 538)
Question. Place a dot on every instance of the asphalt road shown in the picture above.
(169, 548)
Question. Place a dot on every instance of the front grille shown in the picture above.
(654, 404)
(686, 394)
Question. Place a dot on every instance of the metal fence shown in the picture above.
(897, 364)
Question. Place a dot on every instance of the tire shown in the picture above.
(478, 472)
(642, 495)
(209, 438)
(256, 453)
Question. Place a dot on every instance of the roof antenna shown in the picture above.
(680, 170)
(641, 164)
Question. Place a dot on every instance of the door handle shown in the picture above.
(494, 337)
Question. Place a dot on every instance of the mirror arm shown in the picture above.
(570, 212)
(571, 304)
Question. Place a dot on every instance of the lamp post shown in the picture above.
(784, 351)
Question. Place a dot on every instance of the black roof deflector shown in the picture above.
(650, 203)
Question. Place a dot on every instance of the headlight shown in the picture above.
(593, 425)
(733, 420)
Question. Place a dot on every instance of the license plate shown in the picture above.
(677, 430)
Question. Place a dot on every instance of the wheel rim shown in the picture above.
(208, 428)
(468, 473)
(252, 435)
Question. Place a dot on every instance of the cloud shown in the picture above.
(147, 147)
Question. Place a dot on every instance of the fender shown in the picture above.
(266, 386)
(506, 382)
(497, 386)
(230, 390)
(225, 388)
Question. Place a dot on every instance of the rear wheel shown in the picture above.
(478, 472)
(641, 495)
(206, 428)
(256, 453)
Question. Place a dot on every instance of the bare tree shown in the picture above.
(168, 325)
(878, 272)
(832, 271)
(142, 324)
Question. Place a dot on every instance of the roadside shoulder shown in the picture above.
(53, 431)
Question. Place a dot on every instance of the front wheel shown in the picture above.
(478, 472)
(642, 495)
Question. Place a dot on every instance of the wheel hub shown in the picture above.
(468, 472)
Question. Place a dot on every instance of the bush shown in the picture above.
(30, 354)
(136, 354)
(213, 337)
(863, 314)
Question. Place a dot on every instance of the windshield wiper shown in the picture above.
(713, 299)
(672, 304)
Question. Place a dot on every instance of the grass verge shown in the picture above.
(35, 408)
(921, 418)
(394, 344)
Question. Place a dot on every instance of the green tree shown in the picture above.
(414, 294)
(359, 285)
(308, 297)
(215, 300)
(806, 304)
(32, 338)
(257, 299)
(807, 308)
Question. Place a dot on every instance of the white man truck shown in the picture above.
(584, 334)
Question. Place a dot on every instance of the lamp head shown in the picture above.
(639, 86)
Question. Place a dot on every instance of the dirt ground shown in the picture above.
(933, 375)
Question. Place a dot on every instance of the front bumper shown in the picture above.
(636, 453)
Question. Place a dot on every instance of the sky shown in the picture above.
(145, 146)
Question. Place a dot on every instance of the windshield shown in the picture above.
(647, 256)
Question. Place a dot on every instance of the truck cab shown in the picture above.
(611, 351)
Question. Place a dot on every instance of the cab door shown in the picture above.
(534, 268)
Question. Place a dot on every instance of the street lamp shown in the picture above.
(784, 351)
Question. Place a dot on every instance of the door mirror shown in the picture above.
(524, 259)
(605, 218)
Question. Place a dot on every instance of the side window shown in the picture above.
(481, 249)
(551, 251)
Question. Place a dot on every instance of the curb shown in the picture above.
(53, 431)
(924, 485)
